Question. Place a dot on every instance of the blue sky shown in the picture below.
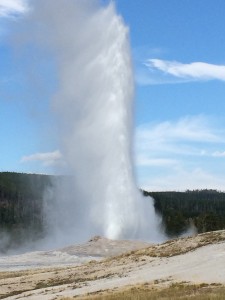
(178, 50)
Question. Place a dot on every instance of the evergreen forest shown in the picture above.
(201, 210)
(22, 210)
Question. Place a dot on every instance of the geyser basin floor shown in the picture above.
(95, 249)
(163, 264)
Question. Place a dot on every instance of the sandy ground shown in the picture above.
(199, 259)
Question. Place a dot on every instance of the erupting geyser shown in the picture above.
(94, 106)
(95, 102)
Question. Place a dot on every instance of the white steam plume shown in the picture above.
(94, 106)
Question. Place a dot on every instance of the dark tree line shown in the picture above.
(205, 209)
(21, 198)
(22, 211)
(21, 206)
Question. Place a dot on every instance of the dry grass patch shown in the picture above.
(173, 292)
(177, 246)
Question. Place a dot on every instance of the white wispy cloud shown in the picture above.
(219, 154)
(12, 7)
(47, 158)
(187, 129)
(180, 154)
(155, 143)
(163, 71)
(159, 162)
(183, 179)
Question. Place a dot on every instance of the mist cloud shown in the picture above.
(93, 111)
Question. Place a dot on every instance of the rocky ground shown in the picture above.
(103, 264)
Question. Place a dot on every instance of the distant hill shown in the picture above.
(204, 209)
(22, 213)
